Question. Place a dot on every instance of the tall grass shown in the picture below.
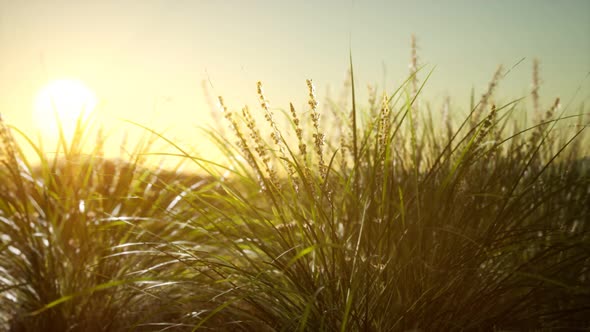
(387, 227)
(385, 222)
(71, 228)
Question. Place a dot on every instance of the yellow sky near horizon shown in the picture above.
(146, 61)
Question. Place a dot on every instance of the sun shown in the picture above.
(62, 102)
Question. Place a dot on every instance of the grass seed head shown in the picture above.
(318, 136)
(535, 88)
(485, 98)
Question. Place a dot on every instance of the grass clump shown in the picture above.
(386, 227)
(387, 222)
(72, 228)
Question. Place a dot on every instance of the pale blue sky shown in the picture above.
(137, 54)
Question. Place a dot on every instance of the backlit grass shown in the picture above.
(389, 218)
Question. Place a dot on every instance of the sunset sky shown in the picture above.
(146, 60)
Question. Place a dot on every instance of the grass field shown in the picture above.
(401, 216)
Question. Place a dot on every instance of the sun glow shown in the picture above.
(61, 103)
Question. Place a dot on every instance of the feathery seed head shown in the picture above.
(535, 87)
(318, 136)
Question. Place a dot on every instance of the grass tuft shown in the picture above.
(477, 224)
